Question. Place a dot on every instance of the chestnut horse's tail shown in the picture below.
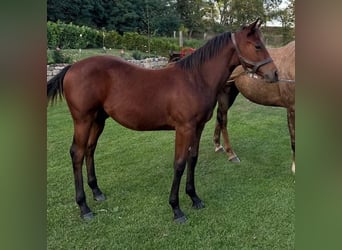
(55, 85)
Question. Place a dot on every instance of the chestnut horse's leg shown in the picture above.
(222, 107)
(95, 132)
(184, 139)
(225, 100)
(190, 179)
(77, 152)
(291, 125)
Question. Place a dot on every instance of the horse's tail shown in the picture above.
(55, 85)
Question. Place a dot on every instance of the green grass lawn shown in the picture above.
(249, 205)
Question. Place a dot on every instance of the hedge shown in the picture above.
(70, 36)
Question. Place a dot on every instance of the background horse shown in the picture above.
(180, 97)
(281, 94)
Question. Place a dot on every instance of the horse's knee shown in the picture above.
(72, 150)
(76, 156)
(179, 167)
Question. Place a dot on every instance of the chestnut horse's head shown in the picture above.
(248, 44)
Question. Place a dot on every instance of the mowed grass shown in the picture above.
(248, 205)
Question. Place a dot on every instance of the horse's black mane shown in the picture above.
(204, 53)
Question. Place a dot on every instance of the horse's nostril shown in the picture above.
(276, 76)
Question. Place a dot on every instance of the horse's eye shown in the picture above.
(258, 47)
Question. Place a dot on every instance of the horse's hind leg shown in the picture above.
(95, 132)
(77, 152)
(222, 107)
(291, 125)
(225, 100)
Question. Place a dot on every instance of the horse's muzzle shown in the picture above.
(272, 76)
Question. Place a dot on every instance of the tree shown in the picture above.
(119, 15)
(75, 11)
(235, 13)
(160, 17)
(191, 14)
(246, 11)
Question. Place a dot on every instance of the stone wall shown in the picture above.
(151, 63)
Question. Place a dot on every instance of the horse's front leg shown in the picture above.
(184, 138)
(190, 178)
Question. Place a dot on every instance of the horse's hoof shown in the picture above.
(88, 216)
(180, 220)
(219, 149)
(198, 205)
(100, 197)
(235, 159)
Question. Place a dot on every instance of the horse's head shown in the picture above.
(252, 52)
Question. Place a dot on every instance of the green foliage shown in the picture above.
(191, 14)
(161, 46)
(69, 36)
(57, 56)
(53, 33)
(194, 43)
(137, 55)
(113, 40)
(158, 16)
(246, 11)
(134, 41)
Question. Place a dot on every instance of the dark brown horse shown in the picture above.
(257, 90)
(180, 97)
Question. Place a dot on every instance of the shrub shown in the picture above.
(113, 40)
(137, 55)
(134, 41)
(59, 57)
(53, 33)
(70, 36)
(194, 43)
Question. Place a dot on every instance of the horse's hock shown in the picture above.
(151, 63)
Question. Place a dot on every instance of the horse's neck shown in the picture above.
(217, 70)
(258, 91)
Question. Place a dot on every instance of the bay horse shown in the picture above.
(181, 97)
(258, 91)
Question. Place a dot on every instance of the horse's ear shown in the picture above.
(259, 25)
(253, 25)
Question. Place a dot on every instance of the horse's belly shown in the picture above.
(141, 120)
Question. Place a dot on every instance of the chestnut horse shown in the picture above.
(181, 98)
(257, 90)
